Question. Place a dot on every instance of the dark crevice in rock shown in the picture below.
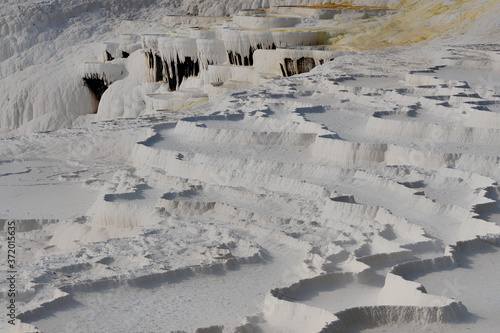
(283, 70)
(235, 58)
(170, 78)
(289, 67)
(159, 68)
(150, 59)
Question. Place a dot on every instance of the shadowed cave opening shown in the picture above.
(96, 85)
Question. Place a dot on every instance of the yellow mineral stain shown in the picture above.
(344, 6)
(414, 21)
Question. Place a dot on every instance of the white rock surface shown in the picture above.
(360, 196)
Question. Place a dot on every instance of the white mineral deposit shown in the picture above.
(265, 166)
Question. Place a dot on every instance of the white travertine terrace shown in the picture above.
(217, 191)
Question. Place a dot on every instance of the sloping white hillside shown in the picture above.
(176, 173)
